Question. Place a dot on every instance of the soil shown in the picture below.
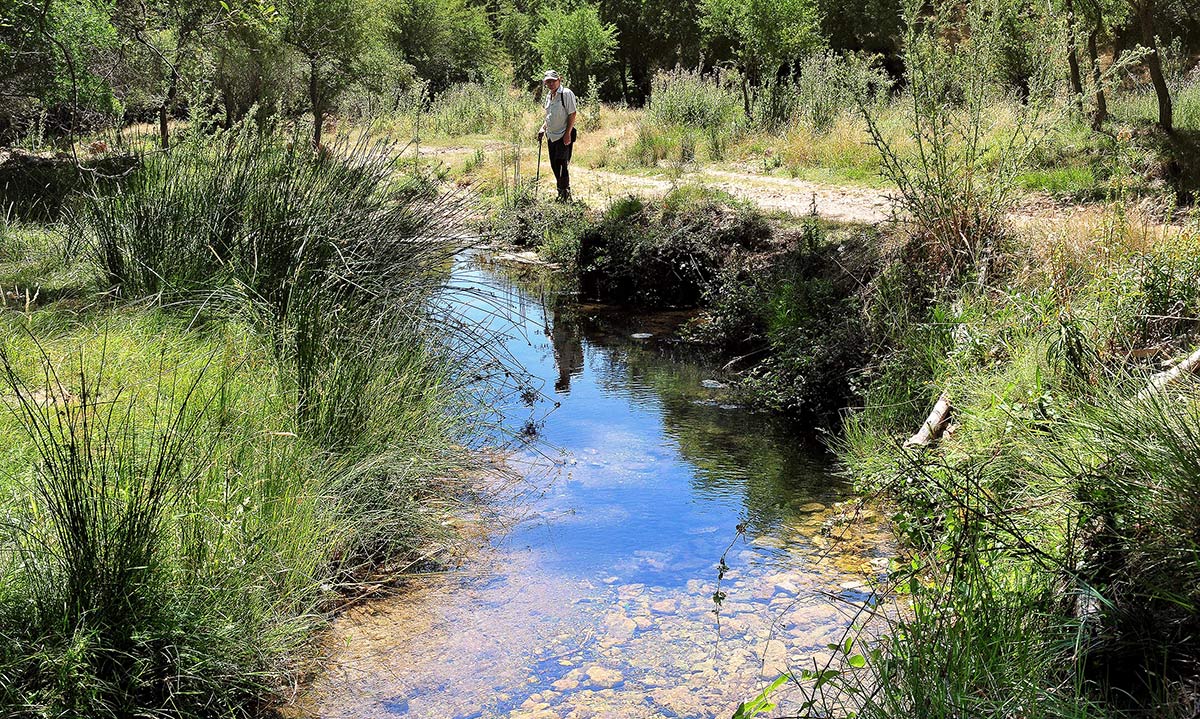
(797, 197)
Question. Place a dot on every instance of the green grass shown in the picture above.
(1070, 181)
(1056, 484)
(262, 416)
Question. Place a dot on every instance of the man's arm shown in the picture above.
(570, 126)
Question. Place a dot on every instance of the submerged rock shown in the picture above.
(603, 677)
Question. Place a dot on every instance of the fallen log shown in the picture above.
(934, 424)
(1166, 377)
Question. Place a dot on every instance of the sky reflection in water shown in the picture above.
(598, 599)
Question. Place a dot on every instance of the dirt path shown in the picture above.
(842, 203)
(773, 194)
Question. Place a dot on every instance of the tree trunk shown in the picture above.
(1100, 112)
(625, 80)
(1073, 58)
(1162, 379)
(1145, 11)
(164, 110)
(314, 96)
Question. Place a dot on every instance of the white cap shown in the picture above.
(550, 75)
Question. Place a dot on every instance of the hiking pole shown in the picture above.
(537, 177)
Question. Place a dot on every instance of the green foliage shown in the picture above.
(445, 41)
(553, 228)
(958, 183)
(760, 704)
(577, 43)
(764, 33)
(824, 86)
(694, 100)
(799, 316)
(655, 143)
(474, 108)
(56, 57)
(330, 35)
(667, 252)
(1044, 581)
(185, 488)
(515, 33)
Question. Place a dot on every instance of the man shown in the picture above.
(559, 129)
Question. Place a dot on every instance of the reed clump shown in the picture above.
(263, 408)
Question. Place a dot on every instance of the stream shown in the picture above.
(592, 591)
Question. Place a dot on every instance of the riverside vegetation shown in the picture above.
(198, 463)
(1052, 567)
(226, 406)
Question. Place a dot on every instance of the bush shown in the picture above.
(666, 253)
(554, 228)
(693, 99)
(797, 311)
(959, 181)
(475, 108)
(825, 87)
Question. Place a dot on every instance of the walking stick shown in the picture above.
(537, 177)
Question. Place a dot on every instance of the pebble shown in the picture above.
(604, 678)
(788, 587)
(565, 684)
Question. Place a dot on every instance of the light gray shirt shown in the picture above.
(559, 106)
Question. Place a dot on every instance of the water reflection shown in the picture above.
(598, 602)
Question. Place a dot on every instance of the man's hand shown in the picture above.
(567, 138)
(541, 133)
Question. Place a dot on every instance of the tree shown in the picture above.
(867, 26)
(445, 41)
(1094, 19)
(56, 57)
(577, 43)
(515, 32)
(651, 35)
(329, 35)
(764, 33)
(1143, 12)
(174, 32)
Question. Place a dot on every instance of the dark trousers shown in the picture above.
(560, 158)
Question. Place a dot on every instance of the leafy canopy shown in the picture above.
(577, 43)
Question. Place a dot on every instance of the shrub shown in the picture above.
(798, 313)
(823, 88)
(666, 253)
(959, 182)
(710, 102)
(475, 108)
(554, 228)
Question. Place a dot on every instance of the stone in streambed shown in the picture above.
(604, 678)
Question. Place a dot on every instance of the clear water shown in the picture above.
(592, 592)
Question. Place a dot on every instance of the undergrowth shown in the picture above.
(246, 407)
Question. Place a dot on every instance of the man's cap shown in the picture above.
(550, 75)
